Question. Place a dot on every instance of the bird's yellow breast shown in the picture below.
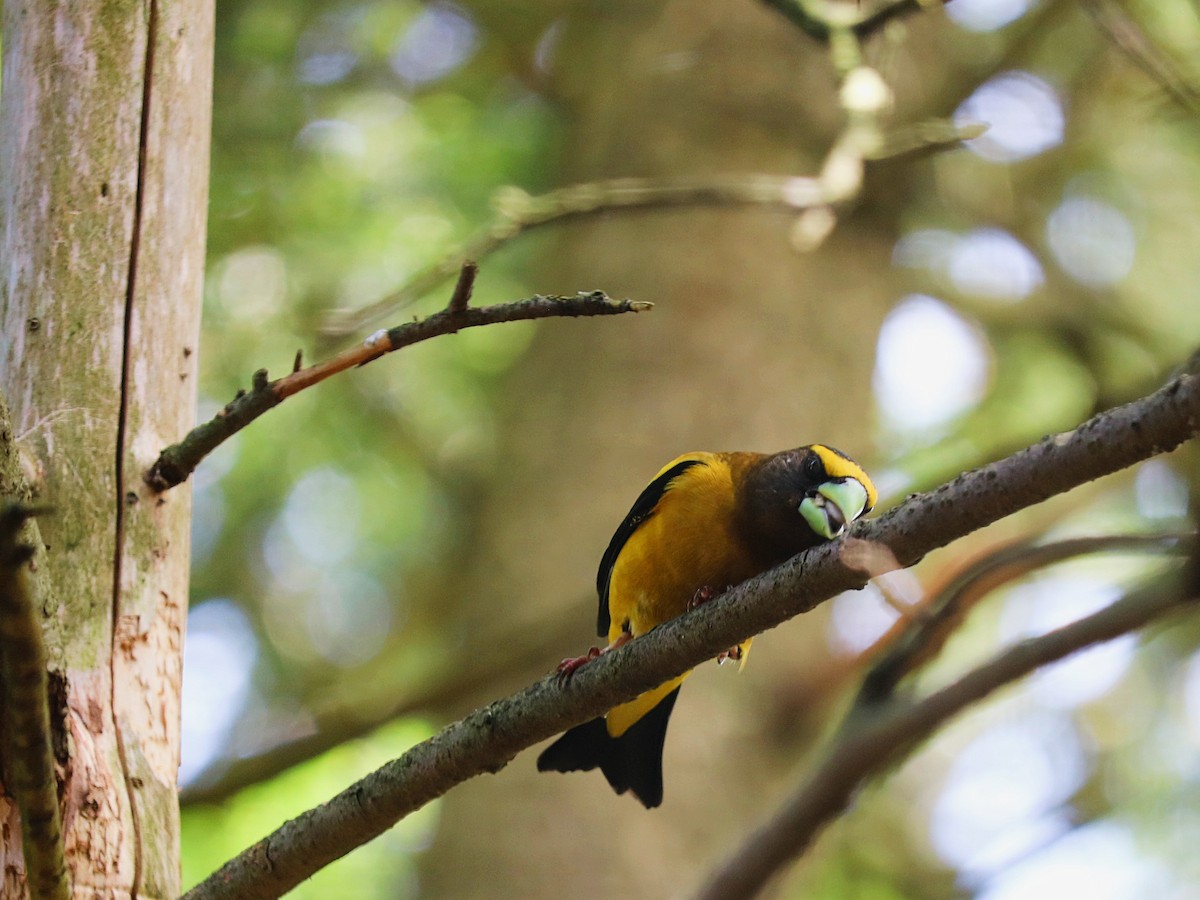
(686, 544)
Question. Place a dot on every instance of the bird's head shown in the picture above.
(798, 498)
(838, 491)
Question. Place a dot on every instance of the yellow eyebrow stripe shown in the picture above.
(838, 465)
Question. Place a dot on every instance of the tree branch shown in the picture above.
(490, 661)
(464, 288)
(922, 637)
(488, 739)
(866, 748)
(519, 212)
(1131, 39)
(468, 672)
(178, 461)
(26, 744)
(839, 181)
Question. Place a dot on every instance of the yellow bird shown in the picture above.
(706, 522)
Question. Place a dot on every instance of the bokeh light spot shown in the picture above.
(859, 618)
(1084, 676)
(1000, 796)
(321, 516)
(1092, 241)
(348, 618)
(986, 15)
(251, 283)
(1191, 696)
(1100, 861)
(334, 138)
(547, 47)
(1052, 602)
(931, 364)
(1024, 116)
(324, 54)
(925, 248)
(992, 264)
(218, 664)
(440, 39)
(1159, 491)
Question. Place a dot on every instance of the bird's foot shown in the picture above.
(733, 653)
(571, 664)
(704, 595)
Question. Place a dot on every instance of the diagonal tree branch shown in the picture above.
(178, 461)
(922, 638)
(1128, 36)
(864, 749)
(519, 213)
(488, 739)
(910, 642)
(467, 672)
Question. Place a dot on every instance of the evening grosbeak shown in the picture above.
(707, 521)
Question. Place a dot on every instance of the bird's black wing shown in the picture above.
(641, 510)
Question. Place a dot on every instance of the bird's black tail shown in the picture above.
(631, 762)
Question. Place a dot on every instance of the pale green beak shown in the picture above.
(835, 505)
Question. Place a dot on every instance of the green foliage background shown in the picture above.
(335, 179)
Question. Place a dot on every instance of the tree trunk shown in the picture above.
(104, 137)
(751, 346)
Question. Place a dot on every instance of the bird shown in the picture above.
(706, 522)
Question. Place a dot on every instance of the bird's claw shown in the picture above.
(571, 664)
(733, 653)
(703, 595)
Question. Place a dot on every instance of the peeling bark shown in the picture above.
(104, 130)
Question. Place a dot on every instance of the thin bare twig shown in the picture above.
(178, 461)
(487, 740)
(866, 748)
(464, 288)
(26, 743)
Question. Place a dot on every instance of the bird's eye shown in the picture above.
(813, 468)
